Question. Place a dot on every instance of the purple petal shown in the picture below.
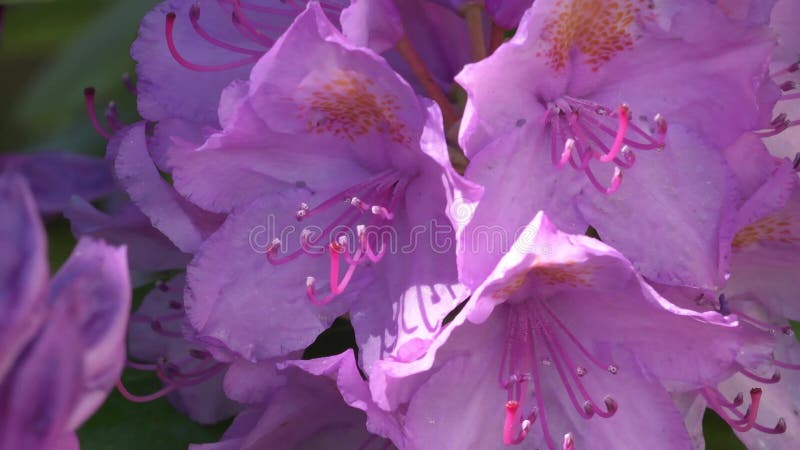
(23, 269)
(185, 224)
(54, 177)
(39, 394)
(95, 282)
(683, 198)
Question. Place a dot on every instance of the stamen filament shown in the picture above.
(257, 35)
(575, 340)
(473, 14)
(173, 50)
(537, 385)
(624, 112)
(194, 18)
(88, 95)
(774, 378)
(497, 36)
(425, 78)
(144, 398)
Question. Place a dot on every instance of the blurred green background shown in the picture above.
(49, 52)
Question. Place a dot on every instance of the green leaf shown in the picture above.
(90, 49)
(718, 434)
(124, 425)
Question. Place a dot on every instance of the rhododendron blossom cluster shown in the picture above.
(550, 224)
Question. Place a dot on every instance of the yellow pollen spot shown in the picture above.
(512, 286)
(550, 275)
(775, 228)
(347, 106)
(569, 274)
(599, 29)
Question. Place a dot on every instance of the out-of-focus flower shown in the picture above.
(62, 342)
(565, 334)
(54, 177)
(322, 404)
(339, 142)
(582, 93)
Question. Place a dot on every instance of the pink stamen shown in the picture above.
(177, 378)
(786, 365)
(611, 368)
(194, 18)
(128, 83)
(785, 97)
(112, 117)
(778, 128)
(337, 286)
(156, 326)
(585, 410)
(581, 116)
(242, 19)
(386, 187)
(741, 422)
(141, 366)
(265, 9)
(569, 442)
(512, 436)
(774, 378)
(144, 398)
(589, 406)
(750, 416)
(173, 50)
(616, 181)
(537, 386)
(787, 70)
(88, 95)
(624, 118)
(625, 151)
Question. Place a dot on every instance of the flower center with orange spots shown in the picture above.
(347, 106)
(598, 29)
(563, 274)
(775, 228)
(567, 274)
(509, 288)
